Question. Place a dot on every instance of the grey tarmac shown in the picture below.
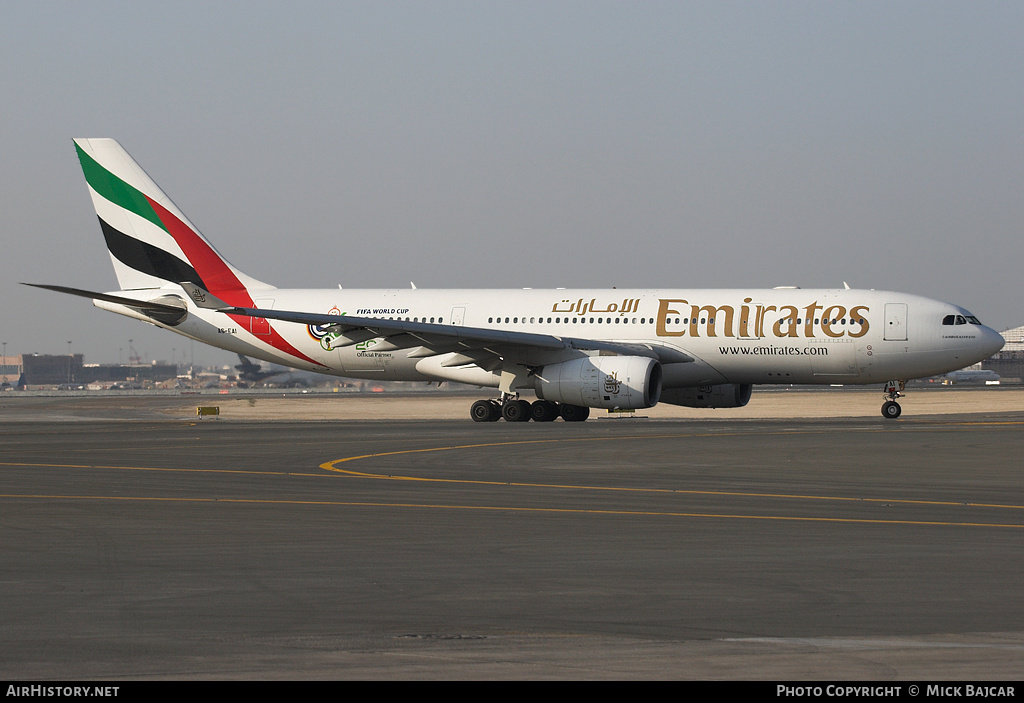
(776, 548)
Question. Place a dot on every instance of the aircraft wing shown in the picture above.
(477, 345)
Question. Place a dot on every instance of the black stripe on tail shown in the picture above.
(147, 258)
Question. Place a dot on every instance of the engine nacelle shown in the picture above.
(626, 382)
(724, 395)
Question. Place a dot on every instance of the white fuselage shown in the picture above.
(708, 336)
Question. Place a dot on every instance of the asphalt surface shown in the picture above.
(857, 548)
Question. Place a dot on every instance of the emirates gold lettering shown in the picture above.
(784, 321)
(809, 315)
(745, 318)
(789, 321)
(832, 315)
(723, 313)
(761, 312)
(664, 310)
(857, 316)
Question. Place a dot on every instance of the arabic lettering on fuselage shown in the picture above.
(581, 307)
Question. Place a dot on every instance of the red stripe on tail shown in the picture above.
(218, 276)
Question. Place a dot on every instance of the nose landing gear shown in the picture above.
(893, 390)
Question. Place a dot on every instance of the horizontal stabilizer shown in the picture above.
(120, 300)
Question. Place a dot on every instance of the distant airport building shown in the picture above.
(96, 373)
(10, 369)
(1009, 363)
(48, 370)
(64, 369)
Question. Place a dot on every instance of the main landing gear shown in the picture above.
(893, 390)
(513, 409)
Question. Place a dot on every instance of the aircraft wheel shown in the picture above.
(574, 413)
(891, 409)
(516, 411)
(544, 411)
(481, 411)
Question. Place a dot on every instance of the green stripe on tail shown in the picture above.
(115, 190)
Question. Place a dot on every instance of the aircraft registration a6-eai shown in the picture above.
(575, 349)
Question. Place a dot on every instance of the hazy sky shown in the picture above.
(539, 144)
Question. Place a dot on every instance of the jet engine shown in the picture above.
(724, 395)
(626, 382)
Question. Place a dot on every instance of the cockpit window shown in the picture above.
(960, 320)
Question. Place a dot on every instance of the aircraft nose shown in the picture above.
(991, 342)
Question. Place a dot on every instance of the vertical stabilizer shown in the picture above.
(150, 240)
